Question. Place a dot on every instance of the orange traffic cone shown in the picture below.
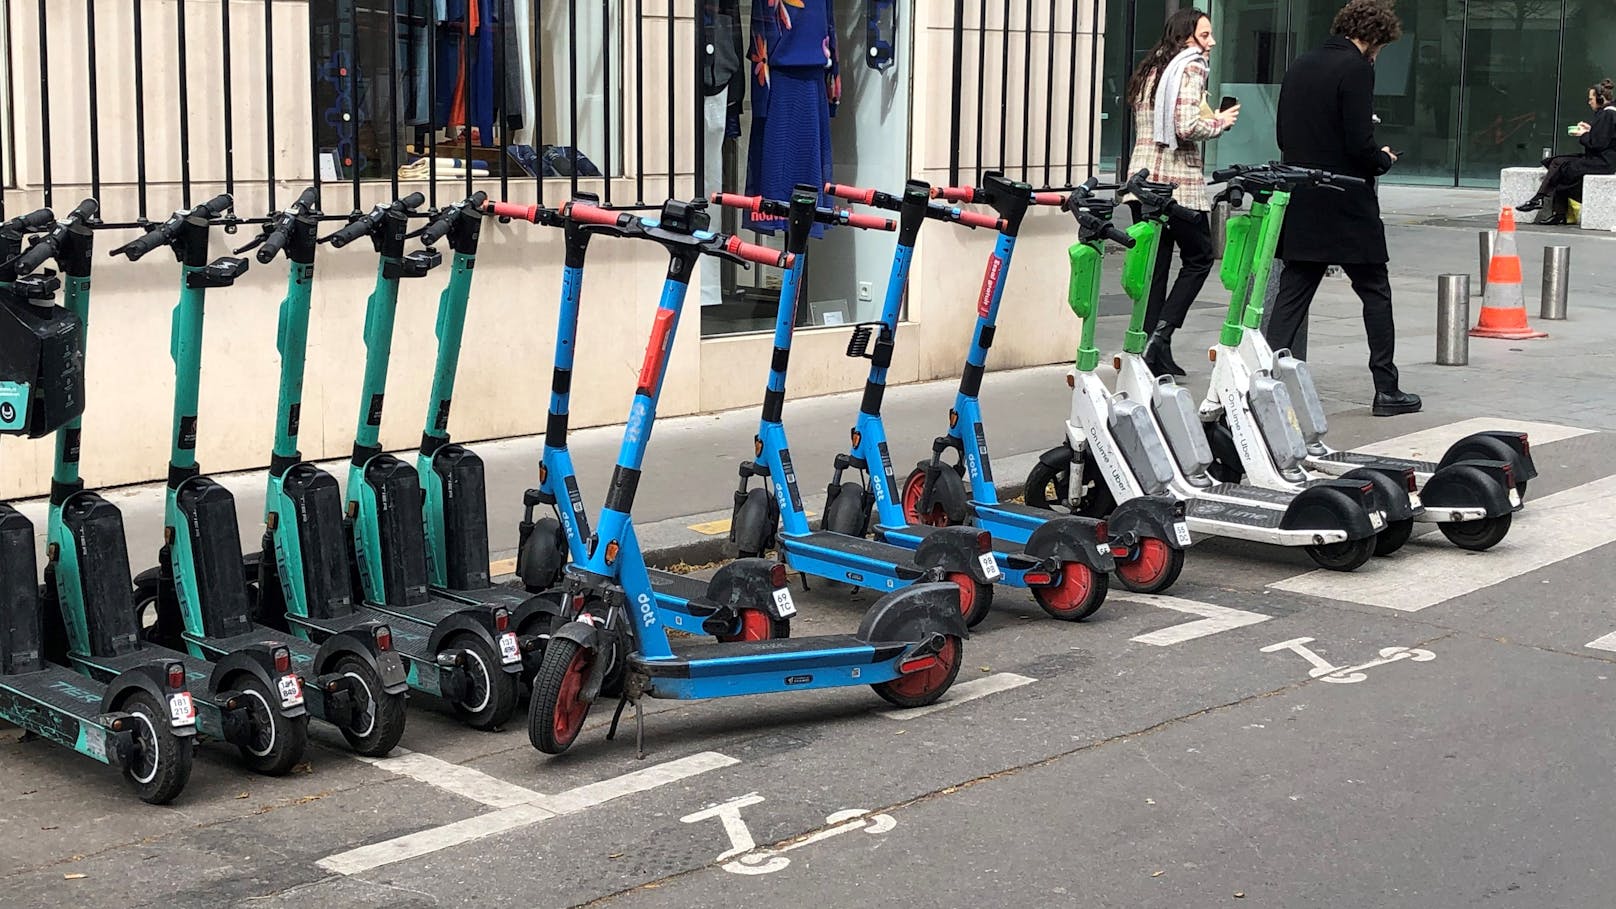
(1503, 307)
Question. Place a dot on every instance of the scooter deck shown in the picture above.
(486, 597)
(411, 638)
(54, 688)
(431, 612)
(753, 667)
(887, 558)
(105, 668)
(1254, 496)
(1009, 551)
(1348, 460)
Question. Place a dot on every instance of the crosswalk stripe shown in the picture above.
(962, 692)
(1430, 570)
(1608, 642)
(1429, 444)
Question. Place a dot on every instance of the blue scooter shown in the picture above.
(908, 648)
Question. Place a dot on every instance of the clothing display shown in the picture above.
(723, 70)
(796, 85)
(471, 72)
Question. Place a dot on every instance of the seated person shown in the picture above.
(1564, 179)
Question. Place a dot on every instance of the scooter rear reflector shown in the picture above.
(984, 542)
(283, 660)
(502, 620)
(176, 675)
(919, 664)
(777, 575)
(384, 638)
(1038, 578)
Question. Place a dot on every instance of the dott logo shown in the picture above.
(990, 282)
(647, 612)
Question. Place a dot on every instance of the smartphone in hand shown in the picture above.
(1228, 102)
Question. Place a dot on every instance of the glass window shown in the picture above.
(1507, 111)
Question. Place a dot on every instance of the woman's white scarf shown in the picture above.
(1167, 95)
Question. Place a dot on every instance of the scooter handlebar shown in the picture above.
(591, 214)
(869, 222)
(853, 193)
(33, 221)
(353, 231)
(954, 193)
(761, 255)
(412, 201)
(1055, 199)
(218, 205)
(736, 200)
(972, 219)
(1344, 180)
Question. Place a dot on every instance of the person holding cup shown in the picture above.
(1563, 182)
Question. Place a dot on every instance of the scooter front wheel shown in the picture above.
(1153, 567)
(161, 764)
(924, 685)
(378, 722)
(278, 741)
(1078, 592)
(558, 707)
(757, 625)
(976, 598)
(914, 489)
(1478, 535)
(1347, 555)
(490, 696)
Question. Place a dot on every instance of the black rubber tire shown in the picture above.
(1048, 487)
(376, 733)
(1479, 535)
(279, 741)
(1167, 576)
(1099, 583)
(542, 722)
(161, 765)
(1394, 536)
(1348, 555)
(493, 694)
(908, 691)
(146, 617)
(846, 514)
(1520, 490)
(976, 598)
(539, 623)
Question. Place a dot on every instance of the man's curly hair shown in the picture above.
(1373, 22)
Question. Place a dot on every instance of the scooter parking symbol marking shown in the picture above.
(744, 856)
(1347, 675)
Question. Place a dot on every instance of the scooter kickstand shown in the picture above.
(639, 731)
(617, 714)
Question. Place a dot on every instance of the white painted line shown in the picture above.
(1431, 443)
(1549, 530)
(424, 842)
(1214, 619)
(1608, 642)
(461, 780)
(962, 692)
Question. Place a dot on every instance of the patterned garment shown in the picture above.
(1192, 120)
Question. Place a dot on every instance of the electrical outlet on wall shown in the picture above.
(866, 292)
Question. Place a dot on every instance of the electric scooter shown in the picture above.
(1157, 445)
(463, 654)
(251, 699)
(839, 551)
(1136, 543)
(908, 647)
(142, 721)
(343, 677)
(546, 544)
(1467, 494)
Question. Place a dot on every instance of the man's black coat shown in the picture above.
(1326, 106)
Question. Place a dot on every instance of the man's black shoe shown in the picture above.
(1393, 403)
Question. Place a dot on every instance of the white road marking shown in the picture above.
(1431, 443)
(1214, 619)
(962, 692)
(743, 848)
(1608, 642)
(1347, 675)
(456, 778)
(539, 808)
(1549, 530)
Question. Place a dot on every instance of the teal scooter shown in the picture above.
(142, 722)
(352, 680)
(465, 654)
(253, 697)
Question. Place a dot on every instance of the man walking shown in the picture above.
(1326, 120)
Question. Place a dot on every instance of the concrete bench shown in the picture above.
(1517, 184)
(1598, 202)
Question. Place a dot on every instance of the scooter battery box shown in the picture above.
(1276, 418)
(1181, 424)
(41, 367)
(465, 517)
(1141, 445)
(19, 594)
(1298, 380)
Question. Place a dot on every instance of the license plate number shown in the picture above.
(1103, 549)
(1376, 521)
(1181, 533)
(1514, 498)
(784, 607)
(989, 566)
(181, 712)
(509, 650)
(291, 690)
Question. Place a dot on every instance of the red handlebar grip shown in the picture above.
(735, 200)
(590, 214)
(954, 193)
(870, 222)
(1055, 199)
(513, 211)
(972, 219)
(762, 255)
(850, 193)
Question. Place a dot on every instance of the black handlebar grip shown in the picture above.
(1227, 174)
(218, 205)
(271, 246)
(140, 246)
(305, 203)
(1343, 180)
(86, 210)
(352, 232)
(36, 220)
(1117, 235)
(439, 228)
(35, 256)
(412, 201)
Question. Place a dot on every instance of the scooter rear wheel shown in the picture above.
(161, 764)
(1393, 536)
(1080, 592)
(924, 686)
(976, 598)
(757, 625)
(278, 741)
(558, 708)
(1478, 535)
(1347, 555)
(914, 489)
(1154, 566)
(491, 693)
(379, 724)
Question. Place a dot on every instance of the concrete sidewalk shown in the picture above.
(691, 467)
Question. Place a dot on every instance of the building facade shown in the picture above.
(1473, 85)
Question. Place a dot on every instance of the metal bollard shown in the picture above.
(1487, 238)
(1556, 281)
(1452, 320)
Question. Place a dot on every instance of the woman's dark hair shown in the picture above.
(1180, 28)
(1603, 91)
(1373, 22)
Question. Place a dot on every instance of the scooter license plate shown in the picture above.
(509, 650)
(1376, 520)
(1181, 533)
(784, 606)
(1103, 549)
(181, 711)
(291, 690)
(1514, 498)
(989, 566)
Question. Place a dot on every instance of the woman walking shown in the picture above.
(1563, 182)
(1171, 119)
